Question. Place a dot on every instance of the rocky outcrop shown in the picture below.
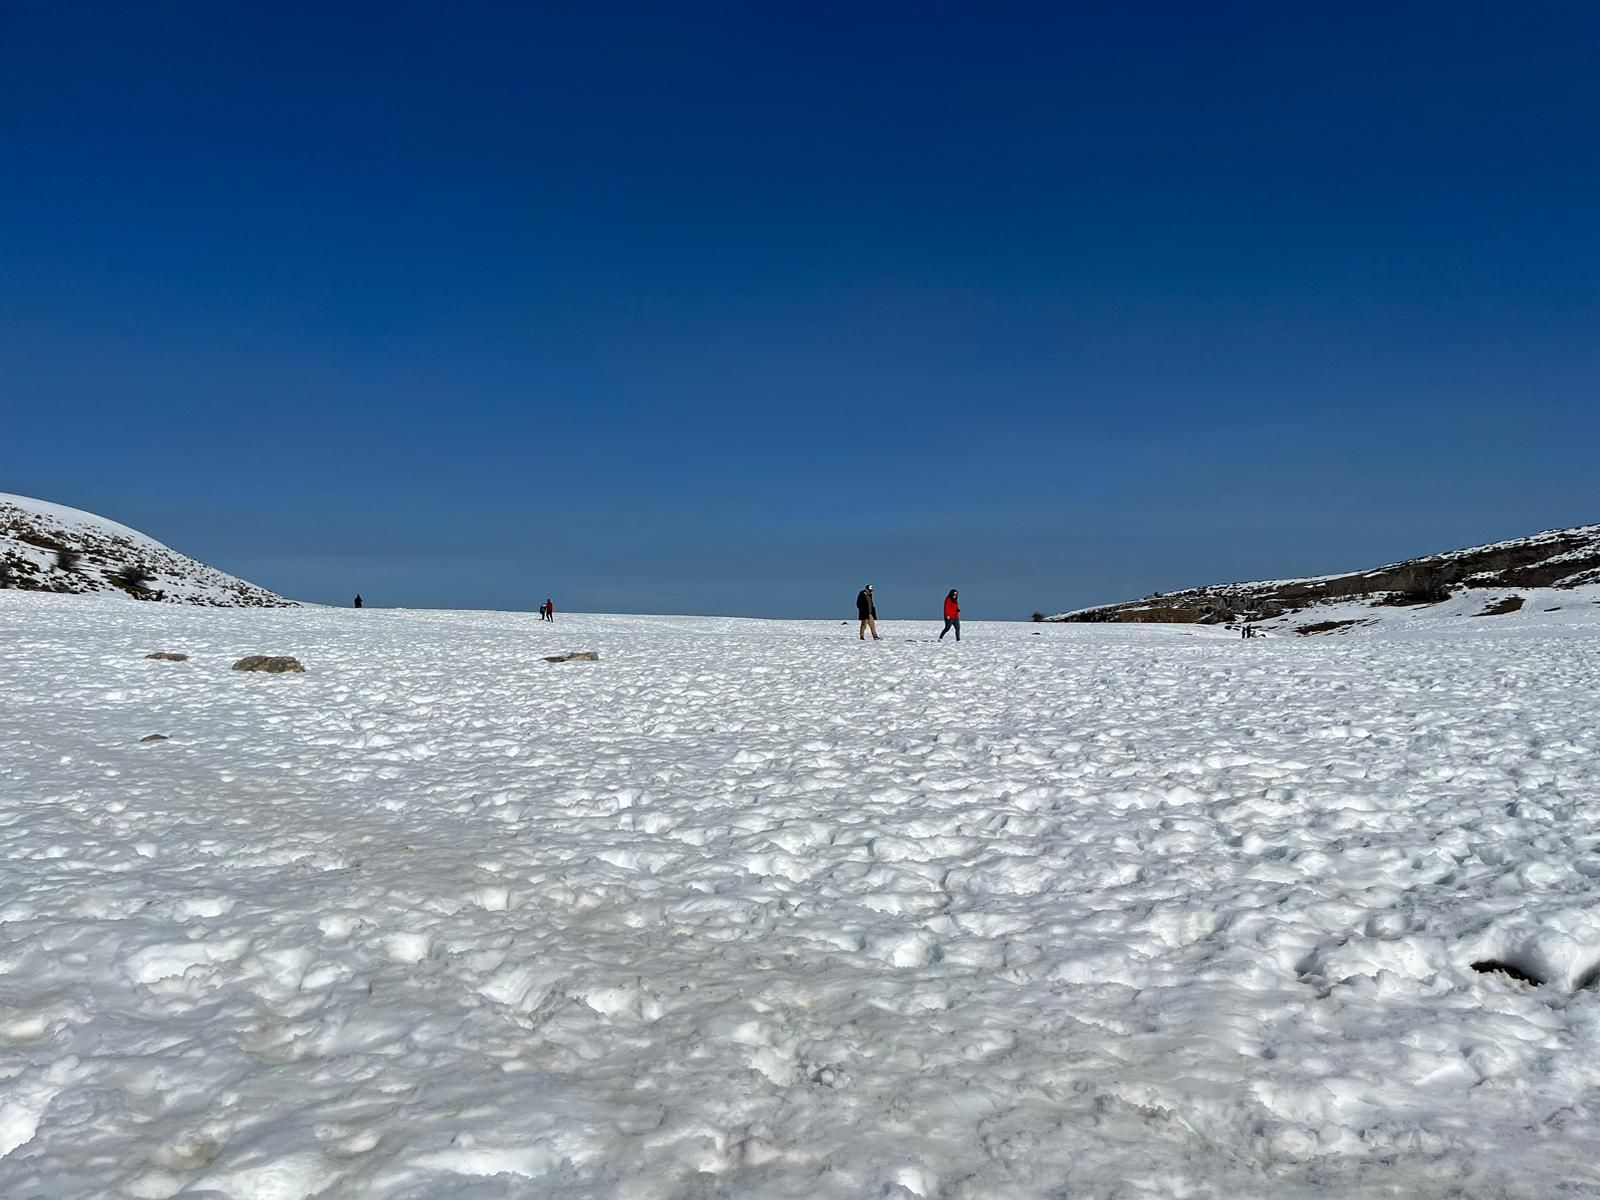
(1557, 558)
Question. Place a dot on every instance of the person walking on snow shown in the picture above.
(358, 599)
(549, 609)
(868, 612)
(952, 615)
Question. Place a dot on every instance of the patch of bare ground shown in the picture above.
(1501, 607)
(1326, 626)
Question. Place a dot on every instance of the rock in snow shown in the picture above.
(574, 656)
(273, 664)
(51, 548)
(759, 911)
(168, 656)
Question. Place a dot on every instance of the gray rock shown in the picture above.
(155, 737)
(168, 656)
(274, 664)
(575, 656)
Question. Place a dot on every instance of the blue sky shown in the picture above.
(734, 308)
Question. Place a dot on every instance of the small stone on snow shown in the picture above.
(273, 664)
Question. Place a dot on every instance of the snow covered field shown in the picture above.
(752, 909)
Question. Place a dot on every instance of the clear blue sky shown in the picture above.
(734, 308)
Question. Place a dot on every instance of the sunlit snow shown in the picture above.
(756, 909)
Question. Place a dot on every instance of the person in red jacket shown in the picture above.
(952, 614)
(549, 610)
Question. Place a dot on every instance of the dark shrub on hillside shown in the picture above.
(134, 580)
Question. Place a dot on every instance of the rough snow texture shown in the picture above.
(1513, 607)
(49, 548)
(755, 909)
(1560, 560)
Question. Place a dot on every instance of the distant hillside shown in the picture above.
(48, 548)
(1559, 559)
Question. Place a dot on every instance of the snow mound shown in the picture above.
(51, 548)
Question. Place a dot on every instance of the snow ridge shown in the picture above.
(48, 547)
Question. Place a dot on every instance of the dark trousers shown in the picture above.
(949, 624)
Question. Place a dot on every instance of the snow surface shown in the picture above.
(1463, 615)
(753, 909)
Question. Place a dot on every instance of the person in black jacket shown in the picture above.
(358, 599)
(868, 612)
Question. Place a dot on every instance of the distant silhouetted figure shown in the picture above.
(952, 615)
(867, 610)
(358, 599)
(549, 610)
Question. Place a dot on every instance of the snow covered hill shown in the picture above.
(755, 909)
(1556, 569)
(50, 548)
